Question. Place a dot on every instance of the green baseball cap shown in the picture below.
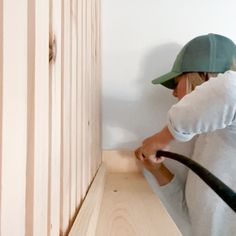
(206, 53)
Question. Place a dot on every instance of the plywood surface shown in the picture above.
(86, 221)
(130, 208)
(120, 161)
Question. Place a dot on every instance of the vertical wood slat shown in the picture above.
(65, 163)
(49, 199)
(96, 87)
(88, 88)
(84, 157)
(41, 118)
(14, 117)
(93, 95)
(79, 75)
(1, 108)
(55, 75)
(97, 78)
(91, 120)
(73, 121)
(30, 166)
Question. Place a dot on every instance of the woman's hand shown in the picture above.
(149, 148)
(151, 163)
(154, 143)
(146, 154)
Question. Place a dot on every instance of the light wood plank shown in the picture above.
(73, 101)
(89, 90)
(130, 208)
(98, 83)
(65, 148)
(50, 120)
(14, 126)
(94, 96)
(120, 161)
(41, 118)
(79, 101)
(86, 221)
(55, 149)
(85, 157)
(1, 102)
(30, 184)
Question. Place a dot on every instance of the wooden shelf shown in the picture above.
(127, 206)
(130, 208)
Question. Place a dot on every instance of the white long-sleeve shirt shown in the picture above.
(210, 112)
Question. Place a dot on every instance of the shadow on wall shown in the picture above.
(127, 122)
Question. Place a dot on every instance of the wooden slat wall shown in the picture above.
(50, 145)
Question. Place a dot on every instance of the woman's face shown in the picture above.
(181, 86)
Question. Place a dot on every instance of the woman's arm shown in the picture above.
(146, 154)
(211, 106)
(161, 173)
(154, 143)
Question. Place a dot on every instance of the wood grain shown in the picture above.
(65, 122)
(86, 221)
(41, 118)
(14, 117)
(55, 119)
(79, 74)
(120, 161)
(73, 105)
(1, 102)
(130, 208)
(50, 147)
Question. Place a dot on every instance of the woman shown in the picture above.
(205, 86)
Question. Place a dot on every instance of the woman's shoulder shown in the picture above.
(228, 78)
(224, 84)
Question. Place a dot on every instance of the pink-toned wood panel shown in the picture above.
(79, 74)
(73, 79)
(14, 117)
(84, 98)
(55, 122)
(49, 113)
(65, 215)
(1, 96)
(41, 110)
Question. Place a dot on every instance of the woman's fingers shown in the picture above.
(138, 153)
(156, 160)
(152, 158)
(144, 152)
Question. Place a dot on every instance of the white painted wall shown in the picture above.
(140, 40)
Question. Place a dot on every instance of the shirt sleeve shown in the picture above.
(172, 196)
(209, 107)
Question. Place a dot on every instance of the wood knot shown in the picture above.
(52, 48)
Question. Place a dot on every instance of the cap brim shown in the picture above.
(167, 80)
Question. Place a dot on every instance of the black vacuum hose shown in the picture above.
(226, 193)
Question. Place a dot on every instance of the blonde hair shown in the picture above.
(195, 79)
(233, 67)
